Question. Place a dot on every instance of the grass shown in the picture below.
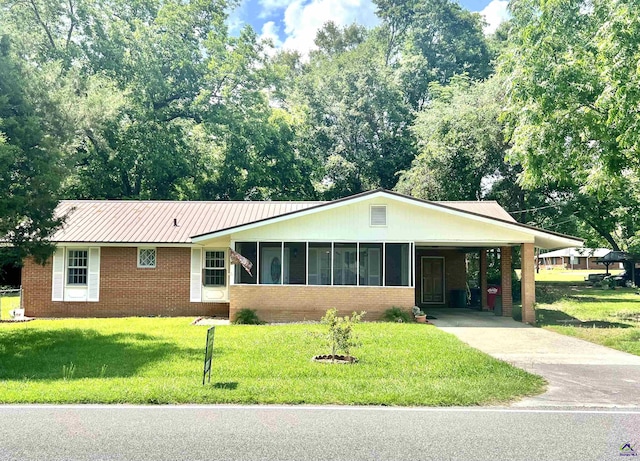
(142, 360)
(607, 317)
(8, 303)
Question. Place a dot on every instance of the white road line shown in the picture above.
(324, 408)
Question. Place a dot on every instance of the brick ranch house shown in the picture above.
(370, 251)
(573, 258)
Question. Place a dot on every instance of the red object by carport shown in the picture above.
(492, 292)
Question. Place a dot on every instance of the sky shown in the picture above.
(292, 24)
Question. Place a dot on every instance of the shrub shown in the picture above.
(396, 314)
(340, 335)
(247, 317)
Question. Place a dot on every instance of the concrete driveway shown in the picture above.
(580, 373)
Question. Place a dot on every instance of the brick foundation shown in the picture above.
(297, 303)
(125, 289)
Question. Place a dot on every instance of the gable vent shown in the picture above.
(378, 215)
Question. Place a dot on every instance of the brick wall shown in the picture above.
(296, 303)
(125, 289)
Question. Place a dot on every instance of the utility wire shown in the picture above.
(535, 209)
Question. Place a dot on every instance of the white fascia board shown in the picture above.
(123, 244)
(550, 241)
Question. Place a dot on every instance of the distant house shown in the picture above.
(572, 258)
(369, 252)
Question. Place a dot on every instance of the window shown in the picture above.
(378, 215)
(250, 251)
(326, 263)
(396, 269)
(147, 257)
(295, 263)
(371, 264)
(320, 263)
(215, 273)
(270, 263)
(77, 267)
(344, 264)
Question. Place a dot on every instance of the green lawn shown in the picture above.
(143, 360)
(8, 303)
(607, 317)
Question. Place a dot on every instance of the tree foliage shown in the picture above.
(29, 164)
(432, 41)
(155, 99)
(570, 111)
(357, 121)
(461, 146)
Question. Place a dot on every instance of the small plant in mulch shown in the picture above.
(340, 337)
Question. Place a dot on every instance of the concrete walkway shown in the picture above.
(580, 373)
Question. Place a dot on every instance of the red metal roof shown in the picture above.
(121, 221)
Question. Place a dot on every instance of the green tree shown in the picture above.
(461, 146)
(356, 122)
(431, 41)
(160, 101)
(571, 90)
(29, 165)
(461, 156)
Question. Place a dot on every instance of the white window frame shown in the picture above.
(67, 266)
(205, 268)
(155, 258)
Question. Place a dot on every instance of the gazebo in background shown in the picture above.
(620, 257)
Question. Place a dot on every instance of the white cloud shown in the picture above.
(270, 31)
(270, 6)
(495, 13)
(235, 21)
(303, 19)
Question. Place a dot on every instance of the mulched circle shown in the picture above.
(329, 358)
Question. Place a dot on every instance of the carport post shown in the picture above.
(505, 273)
(528, 283)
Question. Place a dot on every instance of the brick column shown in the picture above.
(483, 280)
(505, 272)
(528, 283)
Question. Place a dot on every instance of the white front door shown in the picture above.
(271, 266)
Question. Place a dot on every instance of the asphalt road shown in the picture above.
(311, 433)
